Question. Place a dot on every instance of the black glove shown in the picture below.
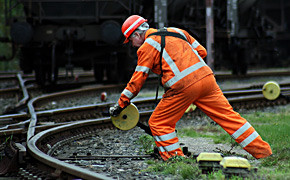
(115, 110)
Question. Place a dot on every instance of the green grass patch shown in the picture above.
(181, 168)
(185, 168)
(147, 143)
(273, 125)
(274, 128)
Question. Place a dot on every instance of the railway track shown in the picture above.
(12, 94)
(37, 135)
(240, 99)
(11, 84)
(47, 142)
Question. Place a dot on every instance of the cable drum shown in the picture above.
(127, 119)
(271, 90)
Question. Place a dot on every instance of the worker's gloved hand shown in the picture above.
(115, 110)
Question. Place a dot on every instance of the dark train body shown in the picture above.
(73, 34)
(87, 33)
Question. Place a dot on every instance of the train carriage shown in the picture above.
(87, 33)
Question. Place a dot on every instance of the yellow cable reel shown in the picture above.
(271, 90)
(127, 119)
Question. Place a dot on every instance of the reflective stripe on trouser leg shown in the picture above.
(251, 141)
(166, 155)
(169, 151)
(168, 145)
(258, 148)
(165, 137)
(217, 107)
(163, 120)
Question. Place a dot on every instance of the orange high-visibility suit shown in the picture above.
(187, 79)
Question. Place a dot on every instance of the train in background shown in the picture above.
(55, 34)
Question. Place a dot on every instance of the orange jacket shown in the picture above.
(182, 64)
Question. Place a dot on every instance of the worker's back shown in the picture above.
(182, 63)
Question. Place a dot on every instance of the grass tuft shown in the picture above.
(181, 168)
(147, 143)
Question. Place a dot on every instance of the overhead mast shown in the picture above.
(209, 33)
(160, 13)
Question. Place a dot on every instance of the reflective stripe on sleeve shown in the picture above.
(195, 44)
(249, 139)
(165, 137)
(142, 69)
(241, 130)
(128, 93)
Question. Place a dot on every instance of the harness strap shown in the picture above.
(163, 32)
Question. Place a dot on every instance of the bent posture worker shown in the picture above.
(187, 79)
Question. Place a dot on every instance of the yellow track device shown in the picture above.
(127, 119)
(235, 162)
(205, 156)
(236, 166)
(271, 90)
(209, 162)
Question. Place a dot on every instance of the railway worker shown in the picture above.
(187, 79)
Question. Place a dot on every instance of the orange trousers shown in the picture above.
(208, 97)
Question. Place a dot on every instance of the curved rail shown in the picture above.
(61, 166)
(32, 141)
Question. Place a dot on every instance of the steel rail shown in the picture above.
(100, 157)
(25, 98)
(95, 90)
(102, 108)
(43, 156)
(62, 116)
(250, 74)
(57, 164)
